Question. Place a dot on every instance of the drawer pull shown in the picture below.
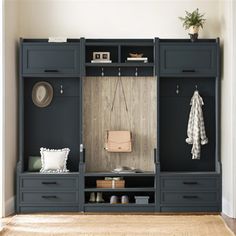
(190, 197)
(190, 183)
(53, 182)
(189, 71)
(49, 197)
(51, 71)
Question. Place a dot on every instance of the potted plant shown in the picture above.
(193, 21)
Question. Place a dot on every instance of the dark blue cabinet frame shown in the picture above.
(195, 198)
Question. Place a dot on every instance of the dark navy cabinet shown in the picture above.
(52, 59)
(178, 184)
(188, 59)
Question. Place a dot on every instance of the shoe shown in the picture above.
(92, 197)
(99, 198)
(124, 199)
(113, 199)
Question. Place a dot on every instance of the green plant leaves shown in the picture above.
(193, 19)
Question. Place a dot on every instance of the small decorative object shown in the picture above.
(141, 199)
(192, 22)
(42, 94)
(54, 160)
(34, 164)
(101, 57)
(137, 57)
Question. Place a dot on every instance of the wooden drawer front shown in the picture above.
(46, 183)
(189, 197)
(189, 183)
(188, 59)
(50, 59)
(49, 197)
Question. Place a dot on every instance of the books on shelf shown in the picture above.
(137, 59)
(101, 61)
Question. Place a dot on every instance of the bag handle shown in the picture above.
(119, 80)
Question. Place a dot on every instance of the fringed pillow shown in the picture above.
(54, 160)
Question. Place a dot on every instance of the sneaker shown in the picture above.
(124, 199)
(113, 199)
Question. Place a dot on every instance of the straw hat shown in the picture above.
(42, 94)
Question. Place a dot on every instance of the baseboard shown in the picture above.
(227, 208)
(10, 206)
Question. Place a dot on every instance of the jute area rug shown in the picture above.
(113, 225)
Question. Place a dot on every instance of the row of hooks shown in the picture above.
(177, 88)
(119, 72)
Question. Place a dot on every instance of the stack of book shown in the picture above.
(137, 59)
(101, 61)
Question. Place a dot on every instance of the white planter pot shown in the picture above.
(193, 29)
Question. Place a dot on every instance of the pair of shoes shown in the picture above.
(98, 199)
(124, 199)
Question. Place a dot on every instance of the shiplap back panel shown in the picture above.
(141, 101)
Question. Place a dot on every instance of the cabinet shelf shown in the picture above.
(119, 205)
(111, 174)
(119, 189)
(125, 64)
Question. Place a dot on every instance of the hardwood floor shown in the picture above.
(230, 222)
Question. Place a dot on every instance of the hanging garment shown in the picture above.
(196, 129)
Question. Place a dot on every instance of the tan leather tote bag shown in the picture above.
(118, 140)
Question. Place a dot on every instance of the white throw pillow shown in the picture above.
(54, 160)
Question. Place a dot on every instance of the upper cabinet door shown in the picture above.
(51, 59)
(188, 59)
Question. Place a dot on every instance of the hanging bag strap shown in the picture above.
(119, 81)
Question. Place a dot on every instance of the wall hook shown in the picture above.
(196, 87)
(61, 90)
(102, 73)
(177, 89)
(119, 73)
(136, 71)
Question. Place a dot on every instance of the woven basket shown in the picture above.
(110, 183)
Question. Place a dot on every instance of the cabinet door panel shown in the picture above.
(49, 59)
(187, 59)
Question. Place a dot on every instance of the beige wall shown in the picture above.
(227, 108)
(117, 19)
(11, 38)
(110, 18)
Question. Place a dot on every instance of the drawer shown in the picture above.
(188, 183)
(188, 59)
(48, 59)
(49, 183)
(49, 198)
(189, 198)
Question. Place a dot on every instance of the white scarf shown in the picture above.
(196, 129)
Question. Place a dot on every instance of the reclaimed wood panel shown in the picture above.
(141, 101)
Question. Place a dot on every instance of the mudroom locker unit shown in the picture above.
(157, 92)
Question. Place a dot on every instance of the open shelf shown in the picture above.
(146, 173)
(119, 189)
(118, 204)
(124, 64)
